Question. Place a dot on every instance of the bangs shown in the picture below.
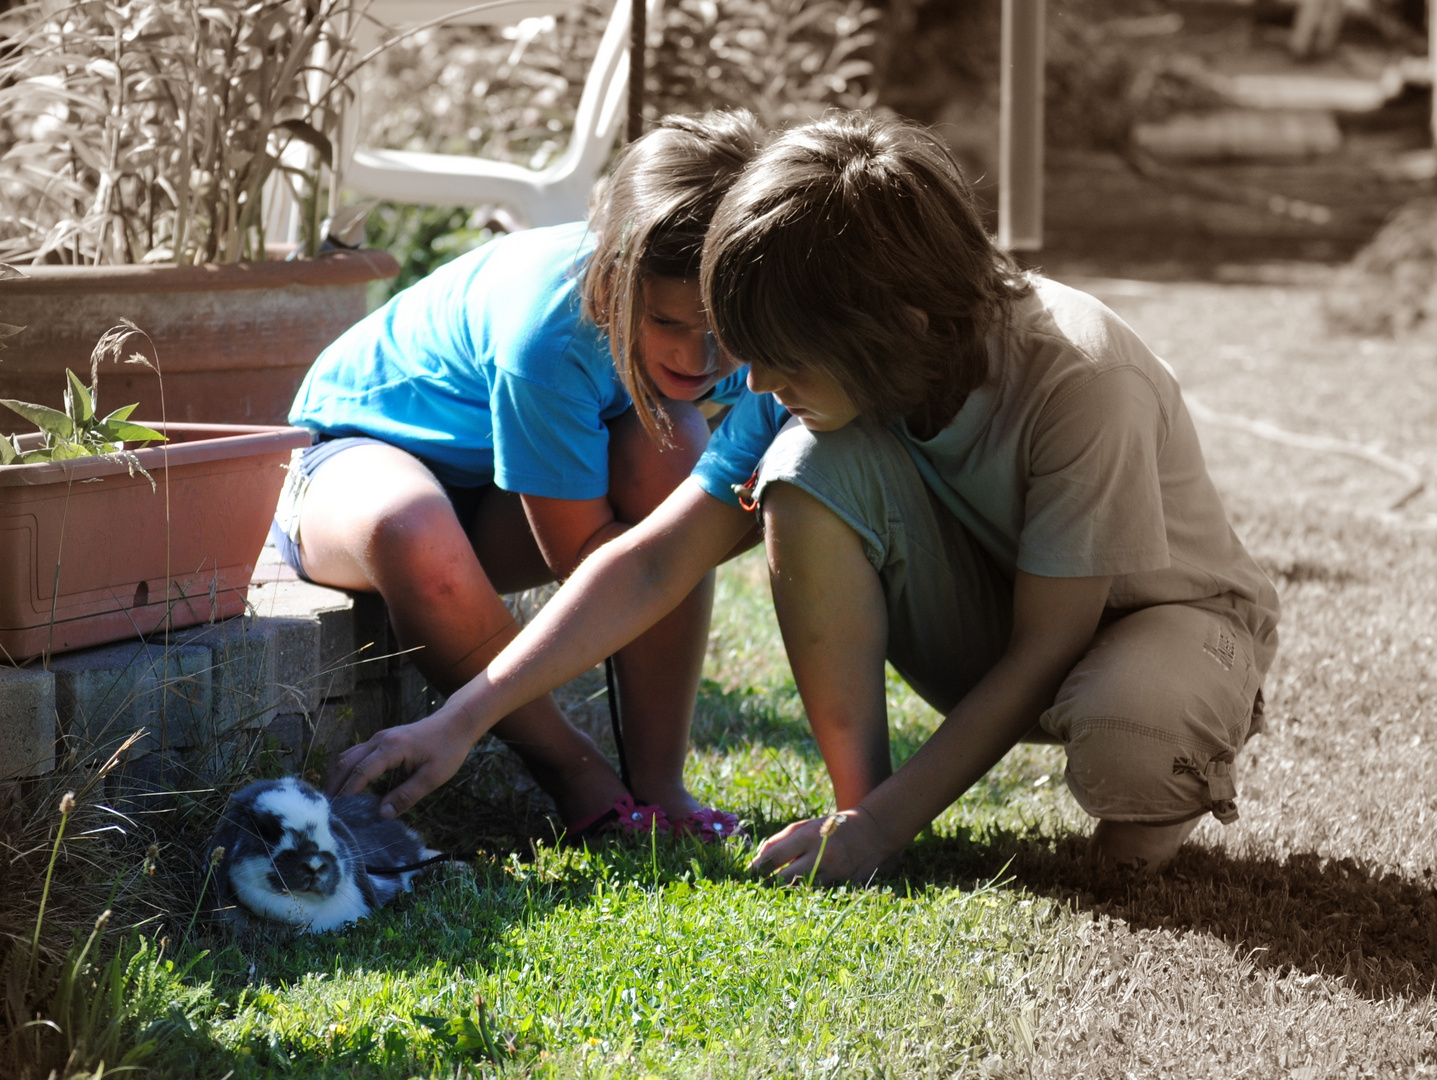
(854, 246)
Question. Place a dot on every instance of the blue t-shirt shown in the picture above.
(741, 440)
(487, 370)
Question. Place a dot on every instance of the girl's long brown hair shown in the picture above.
(650, 217)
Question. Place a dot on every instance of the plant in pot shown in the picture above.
(143, 147)
(107, 537)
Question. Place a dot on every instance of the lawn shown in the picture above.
(1300, 941)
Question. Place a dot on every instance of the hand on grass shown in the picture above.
(856, 850)
(431, 749)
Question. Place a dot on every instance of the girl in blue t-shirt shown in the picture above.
(980, 476)
(491, 427)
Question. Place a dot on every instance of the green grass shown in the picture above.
(626, 961)
(669, 958)
(1301, 941)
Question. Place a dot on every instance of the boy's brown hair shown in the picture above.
(650, 216)
(854, 245)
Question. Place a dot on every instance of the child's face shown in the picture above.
(813, 396)
(674, 341)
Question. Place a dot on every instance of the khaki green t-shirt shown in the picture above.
(1078, 458)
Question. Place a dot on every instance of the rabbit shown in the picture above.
(293, 855)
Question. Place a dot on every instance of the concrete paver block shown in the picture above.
(411, 696)
(27, 722)
(334, 609)
(259, 668)
(103, 695)
(333, 731)
(289, 735)
(298, 685)
(374, 642)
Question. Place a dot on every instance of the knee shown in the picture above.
(1130, 771)
(642, 473)
(419, 541)
(1153, 718)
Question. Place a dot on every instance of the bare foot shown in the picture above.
(582, 788)
(673, 797)
(1149, 848)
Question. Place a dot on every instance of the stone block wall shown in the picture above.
(308, 672)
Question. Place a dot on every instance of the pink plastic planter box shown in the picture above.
(131, 560)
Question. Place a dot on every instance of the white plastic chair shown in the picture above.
(375, 21)
(549, 196)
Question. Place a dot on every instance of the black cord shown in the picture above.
(443, 856)
(613, 685)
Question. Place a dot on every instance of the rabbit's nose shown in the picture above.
(315, 864)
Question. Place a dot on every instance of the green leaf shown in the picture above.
(8, 453)
(68, 451)
(51, 421)
(122, 431)
(77, 400)
(122, 413)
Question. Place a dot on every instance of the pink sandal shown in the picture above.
(625, 816)
(710, 826)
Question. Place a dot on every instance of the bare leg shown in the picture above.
(834, 620)
(659, 671)
(1144, 847)
(375, 519)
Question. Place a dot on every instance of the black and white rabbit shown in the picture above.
(293, 855)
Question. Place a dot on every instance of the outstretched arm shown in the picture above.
(625, 587)
(1054, 620)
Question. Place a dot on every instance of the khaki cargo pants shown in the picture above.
(1153, 715)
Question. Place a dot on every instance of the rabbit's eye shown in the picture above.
(268, 827)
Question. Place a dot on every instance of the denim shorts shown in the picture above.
(1153, 715)
(304, 462)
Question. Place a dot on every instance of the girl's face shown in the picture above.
(674, 342)
(813, 396)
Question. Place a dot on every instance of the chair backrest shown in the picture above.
(603, 104)
(399, 14)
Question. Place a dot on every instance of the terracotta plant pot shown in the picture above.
(90, 554)
(234, 341)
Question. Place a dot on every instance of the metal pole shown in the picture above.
(638, 35)
(1020, 133)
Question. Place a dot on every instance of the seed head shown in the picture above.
(830, 825)
(215, 856)
(102, 920)
(67, 804)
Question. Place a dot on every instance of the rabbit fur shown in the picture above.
(293, 855)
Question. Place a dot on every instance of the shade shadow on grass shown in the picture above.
(1334, 917)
